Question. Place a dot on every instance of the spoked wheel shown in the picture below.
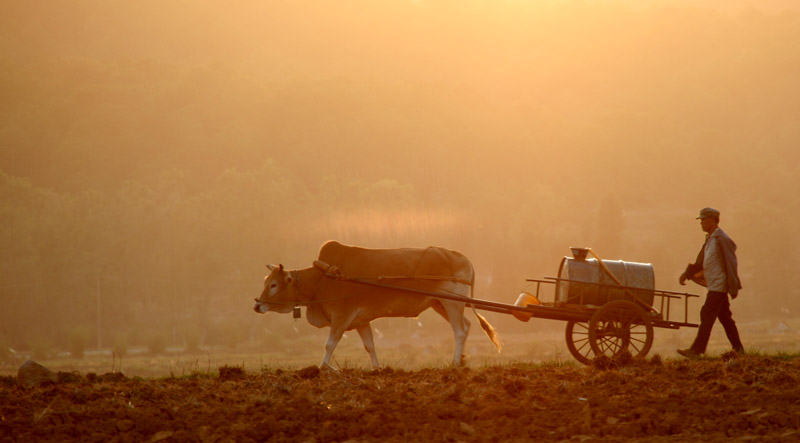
(620, 325)
(578, 341)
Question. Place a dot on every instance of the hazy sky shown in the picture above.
(204, 139)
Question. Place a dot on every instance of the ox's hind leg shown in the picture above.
(454, 313)
(369, 344)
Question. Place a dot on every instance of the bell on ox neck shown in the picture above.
(296, 312)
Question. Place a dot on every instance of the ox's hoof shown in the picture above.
(325, 368)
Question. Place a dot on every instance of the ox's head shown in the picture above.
(279, 294)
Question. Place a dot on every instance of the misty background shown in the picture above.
(155, 155)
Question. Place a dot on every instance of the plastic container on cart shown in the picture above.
(524, 300)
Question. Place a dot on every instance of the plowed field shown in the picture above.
(715, 399)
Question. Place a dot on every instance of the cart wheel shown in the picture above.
(578, 341)
(620, 325)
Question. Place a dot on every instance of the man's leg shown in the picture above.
(726, 318)
(708, 315)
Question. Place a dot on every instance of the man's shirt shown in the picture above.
(714, 264)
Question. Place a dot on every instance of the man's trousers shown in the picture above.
(716, 306)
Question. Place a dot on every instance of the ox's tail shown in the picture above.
(485, 325)
(489, 330)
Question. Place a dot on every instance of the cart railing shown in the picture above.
(629, 294)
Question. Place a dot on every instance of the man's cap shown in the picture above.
(708, 212)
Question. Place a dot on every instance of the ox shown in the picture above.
(344, 304)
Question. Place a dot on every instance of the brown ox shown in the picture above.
(345, 305)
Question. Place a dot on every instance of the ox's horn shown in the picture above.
(270, 267)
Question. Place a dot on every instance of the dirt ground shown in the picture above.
(752, 397)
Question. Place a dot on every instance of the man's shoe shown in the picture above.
(739, 351)
(688, 353)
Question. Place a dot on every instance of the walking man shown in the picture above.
(716, 269)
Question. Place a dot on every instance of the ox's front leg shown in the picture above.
(369, 344)
(333, 339)
(339, 324)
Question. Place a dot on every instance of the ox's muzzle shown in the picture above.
(260, 308)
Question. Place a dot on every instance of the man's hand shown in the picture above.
(733, 296)
(682, 279)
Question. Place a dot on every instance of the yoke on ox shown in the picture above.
(348, 287)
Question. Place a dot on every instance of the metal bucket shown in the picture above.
(598, 287)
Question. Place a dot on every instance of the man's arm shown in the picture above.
(731, 265)
(694, 271)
